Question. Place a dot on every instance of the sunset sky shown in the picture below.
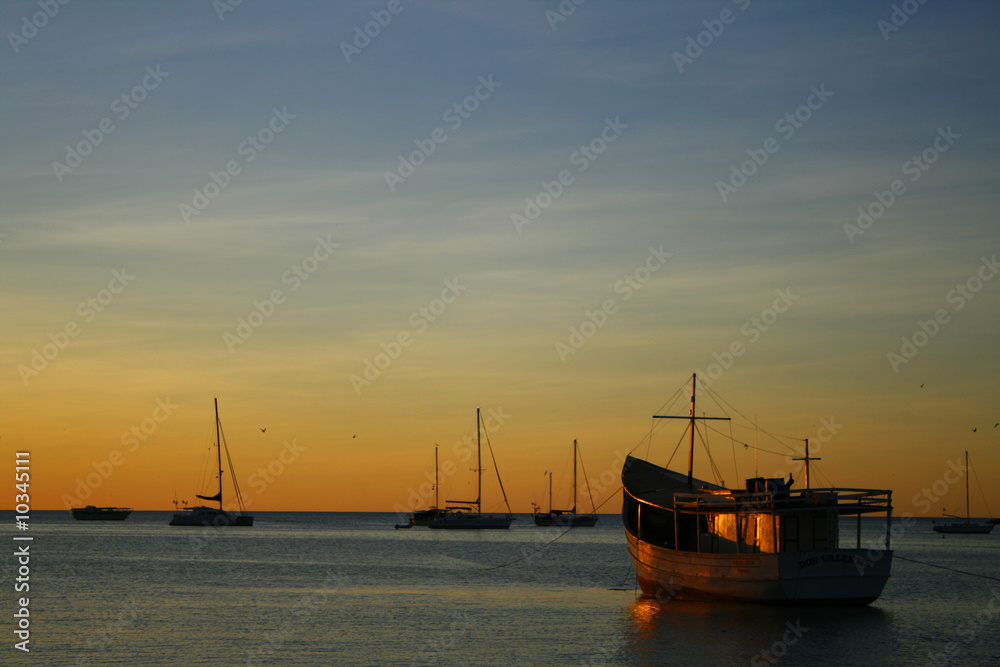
(353, 240)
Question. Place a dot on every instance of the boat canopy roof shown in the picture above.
(657, 485)
(668, 489)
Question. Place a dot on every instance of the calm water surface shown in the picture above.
(347, 589)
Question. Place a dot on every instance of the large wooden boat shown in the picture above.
(203, 515)
(691, 539)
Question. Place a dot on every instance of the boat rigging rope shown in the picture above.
(988, 510)
(714, 396)
(589, 490)
(496, 468)
(676, 447)
(950, 569)
(547, 544)
(715, 469)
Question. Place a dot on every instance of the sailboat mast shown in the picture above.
(437, 501)
(550, 493)
(574, 476)
(479, 465)
(218, 448)
(967, 519)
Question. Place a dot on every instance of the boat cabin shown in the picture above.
(766, 517)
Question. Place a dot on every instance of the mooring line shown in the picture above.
(546, 545)
(950, 569)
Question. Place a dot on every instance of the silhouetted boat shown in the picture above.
(965, 527)
(91, 513)
(691, 539)
(424, 517)
(568, 518)
(469, 513)
(210, 516)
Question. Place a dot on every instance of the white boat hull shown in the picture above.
(830, 576)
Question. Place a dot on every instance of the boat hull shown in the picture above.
(828, 577)
(964, 528)
(566, 520)
(100, 513)
(206, 516)
(425, 517)
(464, 521)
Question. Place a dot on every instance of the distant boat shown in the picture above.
(211, 516)
(690, 539)
(91, 513)
(424, 517)
(568, 518)
(469, 513)
(966, 527)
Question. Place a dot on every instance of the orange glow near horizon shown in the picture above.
(302, 462)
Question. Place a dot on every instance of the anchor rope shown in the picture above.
(950, 569)
(547, 544)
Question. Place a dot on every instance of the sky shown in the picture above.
(354, 223)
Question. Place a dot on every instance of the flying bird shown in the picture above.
(921, 386)
(355, 435)
(263, 430)
(974, 430)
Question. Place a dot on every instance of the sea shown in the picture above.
(349, 589)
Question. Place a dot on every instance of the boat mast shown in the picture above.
(437, 501)
(807, 459)
(691, 418)
(574, 476)
(967, 519)
(550, 493)
(694, 379)
(218, 446)
(479, 465)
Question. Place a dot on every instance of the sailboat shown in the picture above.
(691, 539)
(469, 512)
(210, 516)
(424, 517)
(568, 518)
(965, 527)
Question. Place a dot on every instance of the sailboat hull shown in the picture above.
(828, 577)
(565, 519)
(209, 516)
(964, 528)
(461, 520)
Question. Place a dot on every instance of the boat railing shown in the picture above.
(844, 500)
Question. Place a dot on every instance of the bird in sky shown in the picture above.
(263, 430)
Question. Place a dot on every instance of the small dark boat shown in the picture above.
(966, 527)
(91, 513)
(565, 518)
